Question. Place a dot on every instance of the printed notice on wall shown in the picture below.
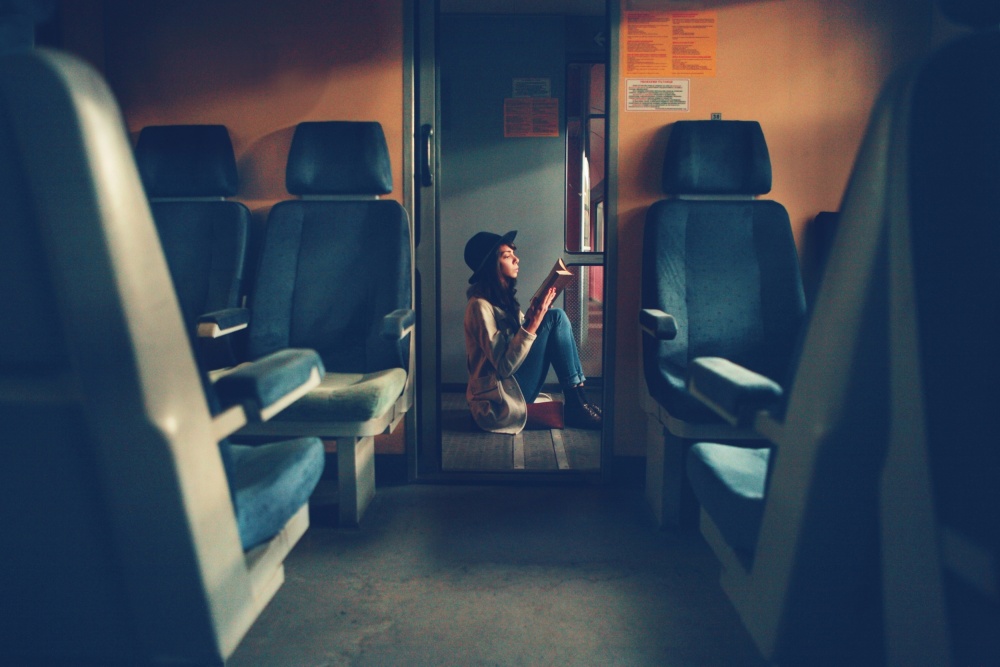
(531, 117)
(669, 44)
(657, 94)
(532, 87)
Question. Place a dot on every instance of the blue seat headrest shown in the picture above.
(186, 161)
(339, 158)
(716, 157)
(972, 13)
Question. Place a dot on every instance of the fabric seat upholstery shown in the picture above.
(124, 545)
(805, 581)
(723, 265)
(353, 397)
(335, 276)
(270, 483)
(729, 483)
(727, 271)
(877, 516)
(939, 493)
(187, 172)
(331, 269)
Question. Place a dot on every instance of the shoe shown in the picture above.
(580, 413)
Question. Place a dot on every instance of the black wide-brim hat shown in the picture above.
(482, 247)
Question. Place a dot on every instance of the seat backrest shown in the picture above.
(941, 535)
(120, 540)
(720, 261)
(188, 171)
(833, 585)
(815, 570)
(18, 21)
(334, 262)
(816, 242)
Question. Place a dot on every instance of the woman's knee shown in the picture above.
(557, 317)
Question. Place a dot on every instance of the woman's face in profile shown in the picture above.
(508, 262)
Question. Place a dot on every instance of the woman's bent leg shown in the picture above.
(554, 344)
(530, 375)
(566, 360)
(562, 348)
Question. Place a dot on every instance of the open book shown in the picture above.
(558, 277)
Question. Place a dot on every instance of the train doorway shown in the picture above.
(511, 135)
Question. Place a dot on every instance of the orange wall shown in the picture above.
(808, 71)
(259, 67)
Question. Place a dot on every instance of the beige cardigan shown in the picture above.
(494, 353)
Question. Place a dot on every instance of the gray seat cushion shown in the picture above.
(270, 483)
(729, 482)
(348, 397)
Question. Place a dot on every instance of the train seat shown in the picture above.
(188, 171)
(797, 536)
(939, 493)
(335, 275)
(876, 541)
(269, 483)
(124, 543)
(720, 277)
(730, 484)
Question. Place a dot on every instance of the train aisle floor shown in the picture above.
(499, 575)
(465, 447)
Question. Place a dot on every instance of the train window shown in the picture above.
(584, 305)
(585, 164)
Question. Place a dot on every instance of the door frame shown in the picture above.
(421, 166)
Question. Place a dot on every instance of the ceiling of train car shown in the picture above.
(571, 7)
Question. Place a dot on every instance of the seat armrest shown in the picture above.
(398, 323)
(735, 393)
(658, 324)
(267, 386)
(227, 422)
(223, 322)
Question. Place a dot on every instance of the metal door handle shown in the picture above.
(426, 162)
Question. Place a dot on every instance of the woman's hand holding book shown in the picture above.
(537, 309)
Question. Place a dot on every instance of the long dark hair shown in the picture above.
(497, 288)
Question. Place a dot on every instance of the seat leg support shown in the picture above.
(668, 491)
(654, 469)
(355, 477)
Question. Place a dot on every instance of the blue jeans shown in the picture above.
(554, 344)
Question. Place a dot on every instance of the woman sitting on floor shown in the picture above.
(509, 352)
